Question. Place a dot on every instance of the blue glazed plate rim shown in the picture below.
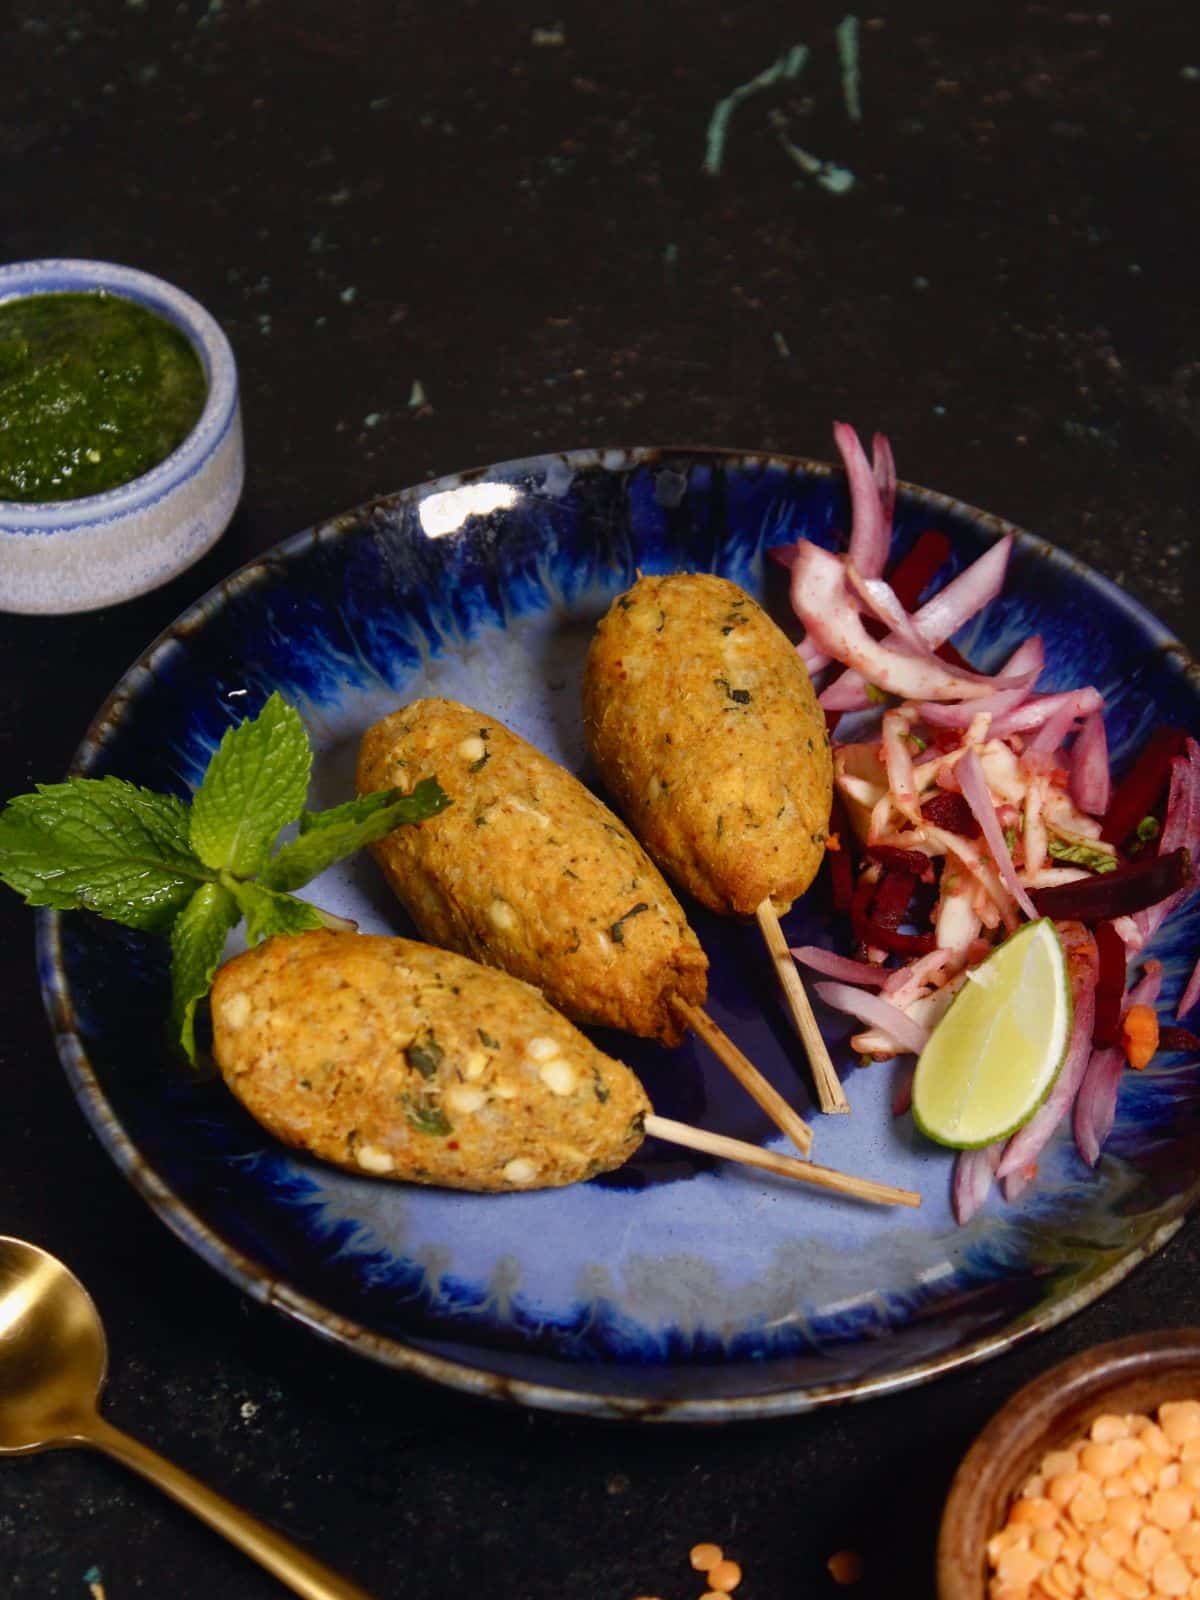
(249, 1276)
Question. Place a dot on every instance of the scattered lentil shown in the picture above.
(704, 1557)
(724, 1576)
(845, 1566)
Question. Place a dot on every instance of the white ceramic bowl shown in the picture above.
(74, 555)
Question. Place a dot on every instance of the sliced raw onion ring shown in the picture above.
(869, 534)
(975, 793)
(1036, 710)
(883, 463)
(1091, 779)
(877, 1012)
(1025, 664)
(822, 601)
(841, 967)
(973, 1174)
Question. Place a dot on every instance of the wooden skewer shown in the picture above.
(830, 1094)
(747, 1074)
(718, 1144)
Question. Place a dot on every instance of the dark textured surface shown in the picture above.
(372, 194)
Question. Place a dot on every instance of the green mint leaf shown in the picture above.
(267, 913)
(103, 845)
(1082, 853)
(427, 1118)
(255, 784)
(197, 943)
(425, 799)
(424, 1055)
(330, 835)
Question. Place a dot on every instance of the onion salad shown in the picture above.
(967, 802)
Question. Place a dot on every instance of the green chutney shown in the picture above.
(94, 391)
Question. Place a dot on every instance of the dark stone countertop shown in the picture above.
(509, 210)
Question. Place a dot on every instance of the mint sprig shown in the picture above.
(256, 783)
(327, 836)
(197, 942)
(103, 845)
(153, 862)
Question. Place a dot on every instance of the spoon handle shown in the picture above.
(284, 1560)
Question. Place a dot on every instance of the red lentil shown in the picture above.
(1115, 1514)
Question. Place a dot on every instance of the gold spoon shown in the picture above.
(53, 1360)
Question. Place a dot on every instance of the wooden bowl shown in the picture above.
(1135, 1374)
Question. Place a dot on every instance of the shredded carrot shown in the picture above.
(833, 842)
(1139, 1035)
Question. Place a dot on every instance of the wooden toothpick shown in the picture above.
(718, 1144)
(785, 1118)
(830, 1094)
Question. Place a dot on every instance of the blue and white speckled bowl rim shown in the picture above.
(53, 276)
(260, 1285)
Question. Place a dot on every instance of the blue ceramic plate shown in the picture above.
(675, 1287)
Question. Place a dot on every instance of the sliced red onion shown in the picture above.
(1025, 1145)
(784, 554)
(1053, 731)
(937, 619)
(1036, 710)
(902, 1092)
(1181, 824)
(1096, 1102)
(996, 705)
(916, 974)
(1146, 990)
(1091, 779)
(880, 600)
(1191, 992)
(883, 463)
(1181, 829)
(877, 1012)
(869, 535)
(822, 601)
(848, 692)
(1025, 665)
(973, 1173)
(946, 612)
(814, 659)
(841, 967)
(975, 793)
(1015, 1185)
(1130, 935)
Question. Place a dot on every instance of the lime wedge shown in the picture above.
(994, 1056)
